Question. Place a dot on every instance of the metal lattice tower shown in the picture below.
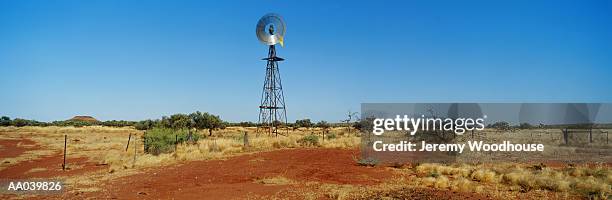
(272, 112)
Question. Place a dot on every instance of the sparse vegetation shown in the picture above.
(206, 121)
(526, 126)
(323, 125)
(277, 180)
(588, 182)
(197, 120)
(309, 140)
(500, 125)
(144, 125)
(106, 146)
(305, 123)
(5, 121)
(163, 140)
(331, 136)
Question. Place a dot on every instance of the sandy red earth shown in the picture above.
(14, 148)
(233, 178)
(51, 164)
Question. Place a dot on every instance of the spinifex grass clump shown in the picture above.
(163, 140)
(309, 140)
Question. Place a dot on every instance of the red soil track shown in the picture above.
(234, 178)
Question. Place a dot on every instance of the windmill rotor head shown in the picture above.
(271, 29)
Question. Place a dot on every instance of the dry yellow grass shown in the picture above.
(36, 170)
(276, 180)
(585, 181)
(106, 145)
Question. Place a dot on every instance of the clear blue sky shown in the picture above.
(135, 60)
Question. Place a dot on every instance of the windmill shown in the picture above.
(272, 111)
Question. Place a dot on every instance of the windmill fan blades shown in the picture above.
(271, 29)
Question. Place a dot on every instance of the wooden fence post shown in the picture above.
(135, 150)
(323, 135)
(246, 139)
(565, 135)
(65, 145)
(144, 142)
(128, 144)
(591, 135)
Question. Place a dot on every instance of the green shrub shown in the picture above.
(144, 125)
(163, 140)
(246, 124)
(526, 126)
(309, 140)
(433, 174)
(331, 136)
(18, 122)
(206, 121)
(500, 125)
(118, 123)
(5, 121)
(74, 123)
(322, 124)
(306, 123)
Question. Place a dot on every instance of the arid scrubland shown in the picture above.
(106, 146)
(498, 181)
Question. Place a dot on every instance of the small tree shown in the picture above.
(164, 122)
(500, 125)
(118, 123)
(5, 121)
(525, 126)
(247, 124)
(323, 125)
(18, 122)
(206, 121)
(364, 125)
(181, 121)
(144, 125)
(303, 123)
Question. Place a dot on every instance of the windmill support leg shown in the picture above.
(272, 111)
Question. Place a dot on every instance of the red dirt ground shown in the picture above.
(234, 178)
(11, 149)
(53, 164)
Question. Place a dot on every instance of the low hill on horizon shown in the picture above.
(83, 119)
